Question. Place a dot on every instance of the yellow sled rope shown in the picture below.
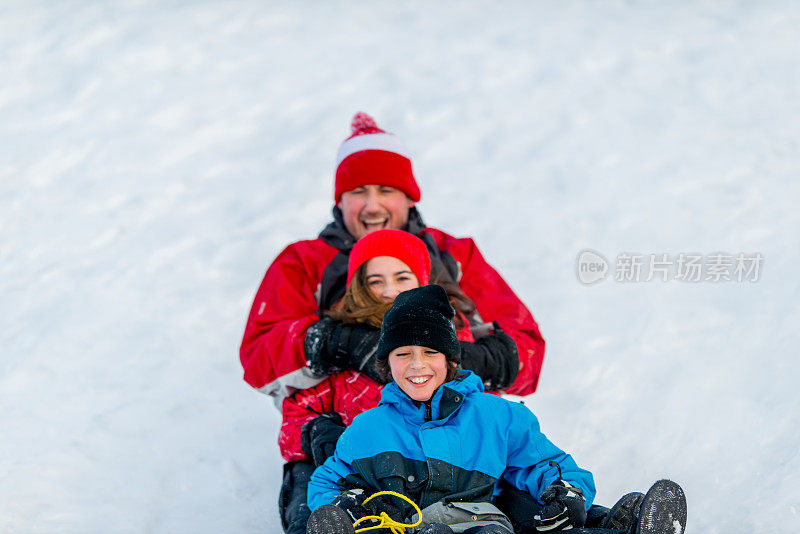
(385, 521)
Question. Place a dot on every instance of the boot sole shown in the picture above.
(329, 519)
(663, 510)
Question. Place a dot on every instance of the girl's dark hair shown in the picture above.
(464, 307)
(359, 305)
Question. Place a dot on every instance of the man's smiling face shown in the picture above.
(373, 207)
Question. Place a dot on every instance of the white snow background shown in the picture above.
(156, 156)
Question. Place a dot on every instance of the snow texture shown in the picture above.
(156, 156)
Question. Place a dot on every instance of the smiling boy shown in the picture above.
(436, 437)
(439, 440)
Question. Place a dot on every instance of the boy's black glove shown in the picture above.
(494, 358)
(350, 501)
(332, 346)
(318, 437)
(385, 503)
(564, 508)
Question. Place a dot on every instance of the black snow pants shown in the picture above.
(292, 499)
(518, 505)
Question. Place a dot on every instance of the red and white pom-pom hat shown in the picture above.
(370, 156)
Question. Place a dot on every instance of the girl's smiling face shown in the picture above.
(387, 277)
(419, 371)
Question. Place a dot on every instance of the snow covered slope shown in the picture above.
(156, 156)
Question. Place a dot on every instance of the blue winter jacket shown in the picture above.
(469, 444)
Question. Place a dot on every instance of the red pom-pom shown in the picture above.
(364, 124)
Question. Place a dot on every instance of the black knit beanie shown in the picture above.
(422, 317)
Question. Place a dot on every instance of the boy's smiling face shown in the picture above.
(419, 371)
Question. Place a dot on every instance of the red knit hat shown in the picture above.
(406, 247)
(372, 156)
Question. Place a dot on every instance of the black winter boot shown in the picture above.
(595, 516)
(330, 519)
(622, 515)
(663, 510)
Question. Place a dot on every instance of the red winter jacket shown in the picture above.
(285, 306)
(349, 393)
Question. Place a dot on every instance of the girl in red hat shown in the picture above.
(381, 265)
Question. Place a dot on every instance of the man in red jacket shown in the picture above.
(375, 188)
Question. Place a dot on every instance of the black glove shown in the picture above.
(318, 437)
(388, 504)
(362, 348)
(350, 501)
(564, 508)
(332, 346)
(493, 357)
